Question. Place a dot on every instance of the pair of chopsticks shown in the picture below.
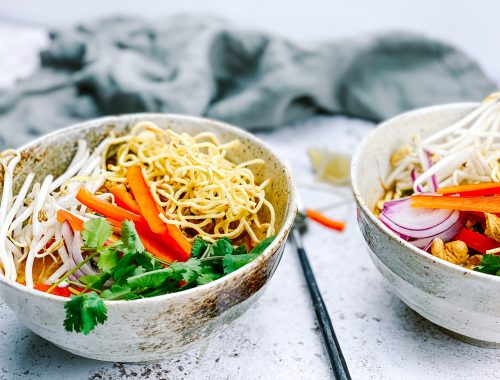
(337, 361)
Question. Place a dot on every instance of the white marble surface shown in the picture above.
(278, 338)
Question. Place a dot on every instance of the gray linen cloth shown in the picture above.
(203, 66)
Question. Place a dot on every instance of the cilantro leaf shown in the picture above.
(124, 267)
(222, 247)
(234, 262)
(187, 271)
(107, 260)
(84, 312)
(198, 247)
(208, 274)
(95, 232)
(89, 279)
(259, 248)
(147, 261)
(131, 243)
(177, 271)
(116, 292)
(489, 264)
(240, 250)
(152, 279)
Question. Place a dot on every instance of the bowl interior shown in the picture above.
(52, 154)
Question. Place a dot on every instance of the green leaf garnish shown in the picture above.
(489, 264)
(96, 231)
(131, 243)
(107, 260)
(128, 271)
(235, 262)
(208, 274)
(84, 312)
(198, 247)
(259, 248)
(222, 247)
(116, 292)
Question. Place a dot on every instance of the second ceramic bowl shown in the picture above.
(459, 300)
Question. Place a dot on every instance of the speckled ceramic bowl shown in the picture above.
(463, 302)
(153, 328)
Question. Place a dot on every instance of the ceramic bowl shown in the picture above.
(459, 300)
(153, 328)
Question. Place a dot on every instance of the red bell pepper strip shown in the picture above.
(147, 205)
(169, 233)
(124, 199)
(480, 189)
(476, 240)
(155, 246)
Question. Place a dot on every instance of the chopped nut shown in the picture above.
(400, 154)
(455, 252)
(492, 226)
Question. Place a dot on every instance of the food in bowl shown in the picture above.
(453, 297)
(442, 194)
(143, 214)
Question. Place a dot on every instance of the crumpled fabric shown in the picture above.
(204, 66)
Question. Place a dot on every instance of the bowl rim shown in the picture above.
(363, 206)
(279, 240)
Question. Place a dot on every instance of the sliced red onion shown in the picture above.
(434, 178)
(418, 224)
(407, 220)
(414, 178)
(445, 236)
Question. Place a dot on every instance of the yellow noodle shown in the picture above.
(193, 182)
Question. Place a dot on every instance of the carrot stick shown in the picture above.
(487, 188)
(147, 205)
(124, 199)
(65, 216)
(325, 221)
(106, 209)
(484, 204)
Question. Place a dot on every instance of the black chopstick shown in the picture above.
(337, 361)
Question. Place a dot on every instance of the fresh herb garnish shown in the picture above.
(489, 264)
(84, 312)
(129, 272)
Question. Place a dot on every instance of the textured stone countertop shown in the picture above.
(278, 338)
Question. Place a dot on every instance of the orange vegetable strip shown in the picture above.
(176, 239)
(489, 204)
(147, 205)
(487, 188)
(154, 246)
(169, 234)
(65, 216)
(124, 199)
(325, 221)
(106, 209)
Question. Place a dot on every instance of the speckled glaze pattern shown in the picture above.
(153, 328)
(459, 300)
